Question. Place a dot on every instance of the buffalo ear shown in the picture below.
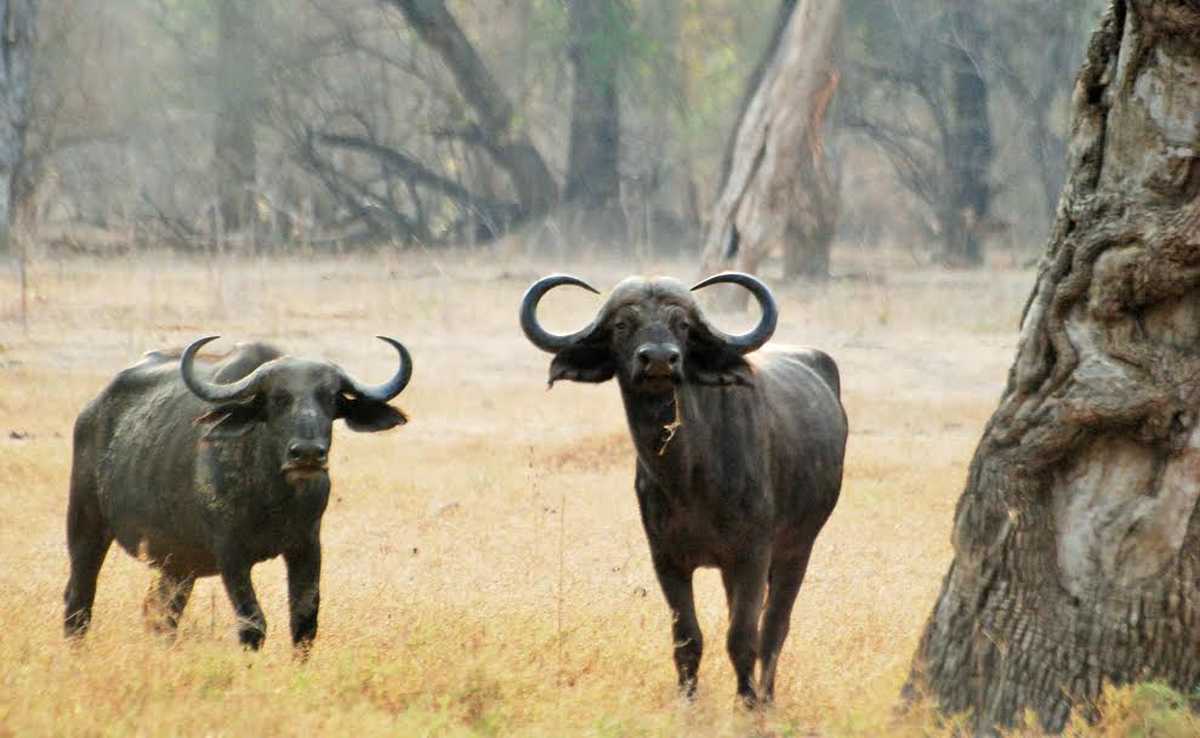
(583, 362)
(368, 416)
(232, 420)
(710, 361)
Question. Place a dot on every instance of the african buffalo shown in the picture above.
(205, 468)
(739, 454)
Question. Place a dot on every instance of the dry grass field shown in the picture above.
(485, 572)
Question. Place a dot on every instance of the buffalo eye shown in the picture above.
(281, 401)
(620, 326)
(681, 323)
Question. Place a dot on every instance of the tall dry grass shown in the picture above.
(485, 571)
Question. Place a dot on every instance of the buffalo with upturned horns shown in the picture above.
(739, 453)
(204, 468)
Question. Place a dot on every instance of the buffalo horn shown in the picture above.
(392, 387)
(232, 392)
(754, 339)
(537, 335)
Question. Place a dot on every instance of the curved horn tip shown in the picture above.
(555, 280)
(400, 348)
(391, 341)
(533, 330)
(190, 351)
(728, 276)
(394, 386)
(199, 342)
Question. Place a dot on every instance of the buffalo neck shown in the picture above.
(662, 433)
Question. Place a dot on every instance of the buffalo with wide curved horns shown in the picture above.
(207, 467)
(739, 445)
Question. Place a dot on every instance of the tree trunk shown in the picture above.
(1077, 538)
(499, 131)
(18, 20)
(808, 234)
(598, 30)
(234, 147)
(776, 192)
(969, 148)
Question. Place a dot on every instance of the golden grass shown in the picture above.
(485, 570)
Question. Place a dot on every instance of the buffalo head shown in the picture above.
(296, 401)
(651, 334)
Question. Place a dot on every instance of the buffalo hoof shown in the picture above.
(688, 690)
(750, 701)
(251, 639)
(75, 627)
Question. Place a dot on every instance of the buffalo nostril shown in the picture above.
(307, 452)
(644, 355)
(673, 357)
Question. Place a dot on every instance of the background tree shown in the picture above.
(18, 18)
(1077, 538)
(495, 129)
(776, 191)
(362, 133)
(968, 105)
(238, 96)
(917, 90)
(599, 32)
(660, 192)
(1025, 51)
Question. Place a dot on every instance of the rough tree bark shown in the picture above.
(776, 190)
(1077, 538)
(593, 186)
(499, 131)
(18, 20)
(235, 151)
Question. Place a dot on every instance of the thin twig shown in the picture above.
(673, 426)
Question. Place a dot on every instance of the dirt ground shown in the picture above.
(485, 572)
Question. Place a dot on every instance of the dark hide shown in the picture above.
(196, 489)
(746, 480)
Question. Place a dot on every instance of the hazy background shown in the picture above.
(331, 124)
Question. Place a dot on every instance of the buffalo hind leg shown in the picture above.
(164, 604)
(88, 540)
(787, 574)
(676, 584)
(304, 594)
(252, 625)
(745, 584)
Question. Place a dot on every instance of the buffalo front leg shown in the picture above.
(304, 594)
(165, 601)
(787, 574)
(88, 540)
(676, 583)
(252, 625)
(745, 584)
